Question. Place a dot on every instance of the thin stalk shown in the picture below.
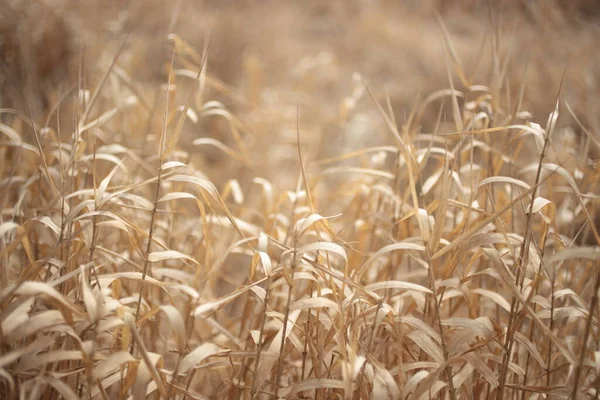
(285, 321)
(438, 318)
(369, 349)
(155, 202)
(586, 335)
(260, 338)
(521, 264)
(552, 311)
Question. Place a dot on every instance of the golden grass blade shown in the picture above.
(588, 253)
(312, 384)
(397, 285)
(213, 305)
(113, 364)
(176, 323)
(526, 343)
(196, 356)
(323, 247)
(159, 256)
(384, 250)
(92, 305)
(105, 182)
(62, 388)
(483, 223)
(495, 297)
(219, 145)
(314, 302)
(30, 288)
(486, 372)
(428, 346)
(408, 392)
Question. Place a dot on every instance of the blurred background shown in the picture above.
(266, 58)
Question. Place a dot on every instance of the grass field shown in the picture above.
(329, 200)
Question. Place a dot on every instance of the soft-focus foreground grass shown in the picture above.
(183, 234)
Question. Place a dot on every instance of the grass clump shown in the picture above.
(185, 240)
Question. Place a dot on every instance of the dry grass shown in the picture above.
(245, 217)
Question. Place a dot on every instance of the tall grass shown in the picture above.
(138, 261)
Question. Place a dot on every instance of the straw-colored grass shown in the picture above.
(189, 234)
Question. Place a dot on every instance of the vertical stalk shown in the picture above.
(586, 335)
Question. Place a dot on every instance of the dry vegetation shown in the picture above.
(321, 200)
